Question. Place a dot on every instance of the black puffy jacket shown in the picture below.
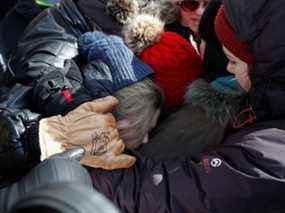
(260, 24)
(46, 55)
(246, 174)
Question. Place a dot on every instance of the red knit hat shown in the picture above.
(175, 63)
(228, 38)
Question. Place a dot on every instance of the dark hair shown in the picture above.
(215, 62)
(207, 22)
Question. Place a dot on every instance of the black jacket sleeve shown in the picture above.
(19, 142)
(60, 90)
(245, 175)
(43, 59)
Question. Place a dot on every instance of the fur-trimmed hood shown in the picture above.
(220, 106)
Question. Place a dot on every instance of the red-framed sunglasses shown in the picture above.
(192, 5)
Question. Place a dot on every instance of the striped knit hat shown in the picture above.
(125, 68)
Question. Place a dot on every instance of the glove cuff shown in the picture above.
(47, 143)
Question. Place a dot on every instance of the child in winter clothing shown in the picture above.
(239, 53)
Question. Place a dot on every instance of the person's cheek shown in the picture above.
(231, 68)
(244, 80)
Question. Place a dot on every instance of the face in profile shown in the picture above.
(191, 12)
(239, 68)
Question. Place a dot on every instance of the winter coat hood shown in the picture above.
(259, 24)
(246, 18)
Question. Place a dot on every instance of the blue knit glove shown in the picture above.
(124, 66)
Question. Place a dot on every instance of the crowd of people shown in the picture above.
(142, 106)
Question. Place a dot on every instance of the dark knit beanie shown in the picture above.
(125, 68)
(228, 38)
(175, 63)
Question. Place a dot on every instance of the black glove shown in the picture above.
(19, 147)
(60, 90)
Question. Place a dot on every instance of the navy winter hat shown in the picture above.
(124, 66)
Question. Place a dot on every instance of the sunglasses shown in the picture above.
(192, 5)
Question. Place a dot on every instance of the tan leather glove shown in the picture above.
(90, 126)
